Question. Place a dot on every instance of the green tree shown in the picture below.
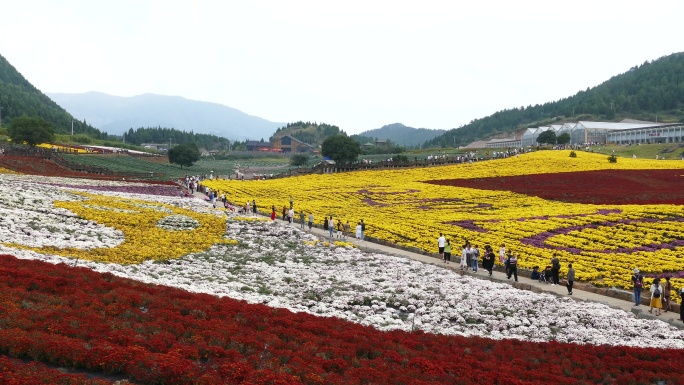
(298, 160)
(184, 154)
(548, 137)
(563, 138)
(341, 148)
(32, 130)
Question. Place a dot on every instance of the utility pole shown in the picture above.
(72, 127)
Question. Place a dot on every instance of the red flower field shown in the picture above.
(39, 166)
(77, 318)
(593, 187)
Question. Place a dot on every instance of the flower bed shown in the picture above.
(284, 267)
(602, 187)
(605, 242)
(111, 226)
(40, 166)
(152, 334)
(13, 371)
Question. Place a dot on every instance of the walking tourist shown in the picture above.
(681, 304)
(331, 226)
(488, 259)
(555, 270)
(359, 232)
(464, 256)
(475, 257)
(301, 219)
(502, 257)
(512, 266)
(656, 296)
(441, 241)
(363, 230)
(311, 219)
(571, 278)
(447, 252)
(638, 283)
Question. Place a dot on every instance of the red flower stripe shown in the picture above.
(151, 334)
(613, 187)
(16, 372)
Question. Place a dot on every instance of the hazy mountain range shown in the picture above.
(116, 114)
(403, 135)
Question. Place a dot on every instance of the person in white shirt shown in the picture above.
(464, 256)
(441, 242)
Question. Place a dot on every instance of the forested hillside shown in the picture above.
(650, 89)
(311, 133)
(19, 97)
(169, 135)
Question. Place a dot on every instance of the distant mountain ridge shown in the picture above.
(116, 114)
(403, 135)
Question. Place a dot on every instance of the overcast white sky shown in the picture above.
(356, 64)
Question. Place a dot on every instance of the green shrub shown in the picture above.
(612, 159)
(83, 139)
(573, 154)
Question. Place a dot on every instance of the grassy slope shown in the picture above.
(669, 151)
(125, 163)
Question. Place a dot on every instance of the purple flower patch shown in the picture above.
(539, 240)
(161, 190)
(468, 225)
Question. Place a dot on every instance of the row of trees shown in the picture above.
(549, 137)
(171, 135)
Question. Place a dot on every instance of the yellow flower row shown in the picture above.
(6, 171)
(398, 206)
(50, 146)
(138, 222)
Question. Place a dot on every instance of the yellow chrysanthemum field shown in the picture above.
(603, 241)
